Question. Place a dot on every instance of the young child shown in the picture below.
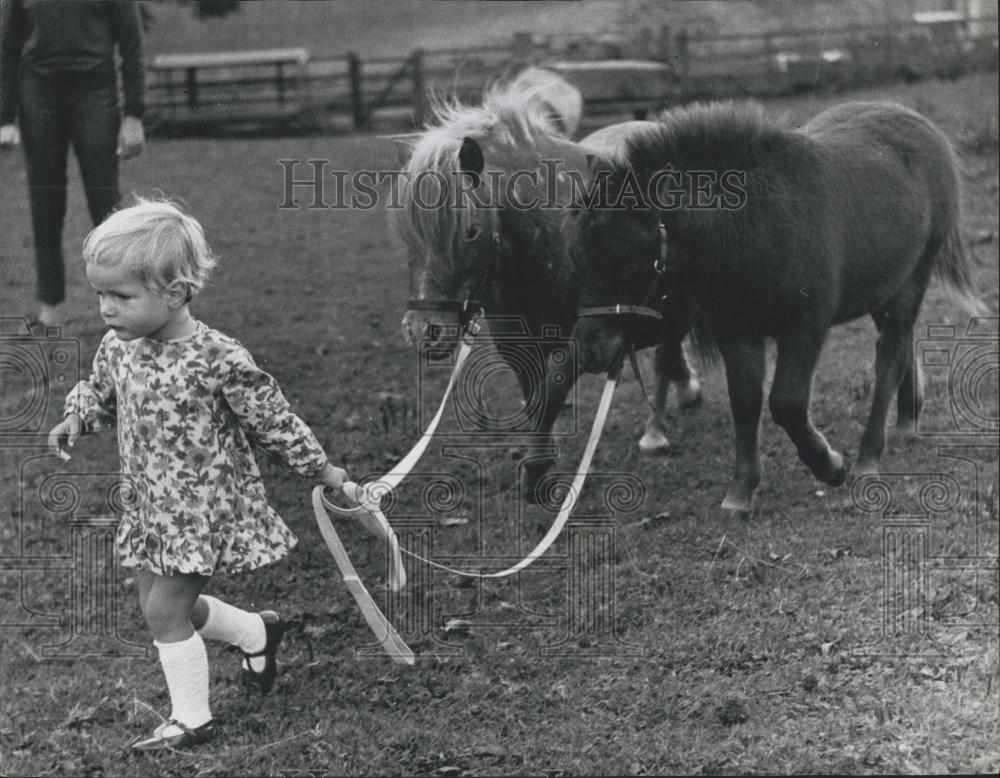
(189, 403)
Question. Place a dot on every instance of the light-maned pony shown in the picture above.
(488, 230)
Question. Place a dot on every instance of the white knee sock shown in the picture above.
(236, 627)
(185, 665)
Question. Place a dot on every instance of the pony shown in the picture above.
(779, 233)
(493, 242)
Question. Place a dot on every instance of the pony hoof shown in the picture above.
(689, 396)
(738, 507)
(865, 467)
(654, 444)
(906, 428)
(839, 468)
(534, 471)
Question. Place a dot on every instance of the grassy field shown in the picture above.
(682, 641)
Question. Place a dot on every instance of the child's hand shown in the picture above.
(331, 476)
(69, 429)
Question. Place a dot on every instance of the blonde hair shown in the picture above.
(162, 243)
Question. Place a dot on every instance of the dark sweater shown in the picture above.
(73, 40)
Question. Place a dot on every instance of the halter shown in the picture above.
(656, 291)
(471, 309)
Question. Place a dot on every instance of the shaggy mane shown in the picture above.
(710, 135)
(508, 115)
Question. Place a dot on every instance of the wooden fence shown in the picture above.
(618, 78)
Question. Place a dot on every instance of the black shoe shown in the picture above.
(263, 680)
(174, 735)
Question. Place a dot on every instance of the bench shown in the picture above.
(228, 86)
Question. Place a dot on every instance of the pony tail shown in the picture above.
(704, 342)
(954, 270)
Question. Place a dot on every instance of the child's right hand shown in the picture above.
(69, 429)
(331, 476)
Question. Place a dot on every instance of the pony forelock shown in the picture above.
(508, 116)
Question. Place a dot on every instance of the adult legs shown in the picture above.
(45, 135)
(94, 132)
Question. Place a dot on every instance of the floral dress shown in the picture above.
(187, 412)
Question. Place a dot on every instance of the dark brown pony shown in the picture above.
(780, 233)
(498, 175)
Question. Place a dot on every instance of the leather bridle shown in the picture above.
(471, 309)
(655, 294)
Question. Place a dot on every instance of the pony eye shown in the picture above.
(473, 233)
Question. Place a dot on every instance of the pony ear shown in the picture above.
(470, 158)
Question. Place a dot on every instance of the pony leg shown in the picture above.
(654, 438)
(672, 368)
(677, 368)
(789, 404)
(910, 400)
(893, 370)
(744, 362)
(561, 373)
(518, 358)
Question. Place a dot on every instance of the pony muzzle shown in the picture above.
(600, 345)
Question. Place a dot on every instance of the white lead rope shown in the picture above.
(386, 634)
(569, 501)
(369, 513)
(394, 477)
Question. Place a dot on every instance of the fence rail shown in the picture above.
(617, 76)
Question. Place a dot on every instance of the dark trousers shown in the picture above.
(55, 113)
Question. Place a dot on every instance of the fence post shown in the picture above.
(419, 88)
(644, 45)
(192, 88)
(683, 56)
(357, 92)
(889, 64)
(523, 46)
(769, 53)
(664, 46)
